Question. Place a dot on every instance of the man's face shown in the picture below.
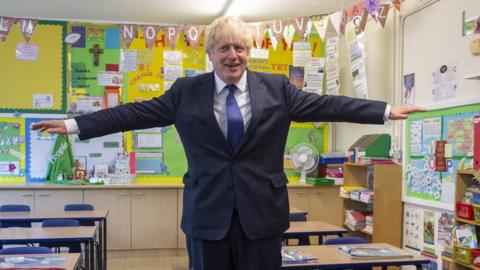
(229, 57)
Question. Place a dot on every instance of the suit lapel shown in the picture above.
(257, 90)
(205, 94)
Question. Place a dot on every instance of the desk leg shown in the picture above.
(87, 255)
(104, 244)
(92, 254)
(320, 239)
(418, 266)
(99, 246)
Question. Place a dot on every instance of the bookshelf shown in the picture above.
(464, 179)
(387, 207)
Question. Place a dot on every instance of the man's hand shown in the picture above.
(401, 112)
(51, 126)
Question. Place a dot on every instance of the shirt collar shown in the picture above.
(241, 84)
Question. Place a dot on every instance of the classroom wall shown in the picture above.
(380, 78)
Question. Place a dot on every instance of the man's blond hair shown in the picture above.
(227, 26)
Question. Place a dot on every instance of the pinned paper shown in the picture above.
(80, 43)
(42, 100)
(172, 33)
(150, 33)
(172, 57)
(128, 32)
(26, 27)
(193, 34)
(113, 38)
(110, 78)
(26, 52)
(128, 60)
(5, 26)
(259, 53)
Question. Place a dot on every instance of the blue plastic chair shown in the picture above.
(345, 240)
(25, 250)
(298, 217)
(81, 207)
(15, 208)
(73, 247)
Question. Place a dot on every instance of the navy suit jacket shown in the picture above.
(216, 176)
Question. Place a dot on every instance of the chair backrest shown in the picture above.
(78, 207)
(345, 240)
(60, 222)
(25, 250)
(297, 217)
(14, 208)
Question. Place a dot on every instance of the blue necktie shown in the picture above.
(234, 120)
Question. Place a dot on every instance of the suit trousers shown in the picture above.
(235, 251)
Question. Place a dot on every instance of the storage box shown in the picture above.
(476, 256)
(464, 211)
(463, 255)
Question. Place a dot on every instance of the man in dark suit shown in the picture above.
(233, 124)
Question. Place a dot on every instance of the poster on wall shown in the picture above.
(427, 183)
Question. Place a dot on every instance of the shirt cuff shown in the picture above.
(71, 125)
(387, 113)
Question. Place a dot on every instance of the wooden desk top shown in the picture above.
(39, 216)
(70, 263)
(294, 210)
(80, 233)
(329, 257)
(314, 227)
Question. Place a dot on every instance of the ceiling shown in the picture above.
(167, 12)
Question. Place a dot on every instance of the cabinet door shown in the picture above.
(55, 200)
(298, 198)
(154, 218)
(181, 236)
(23, 196)
(325, 204)
(117, 202)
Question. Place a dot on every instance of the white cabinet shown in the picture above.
(154, 218)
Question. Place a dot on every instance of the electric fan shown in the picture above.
(304, 159)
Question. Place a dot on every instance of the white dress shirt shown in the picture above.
(220, 102)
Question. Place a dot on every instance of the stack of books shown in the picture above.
(368, 224)
(366, 196)
(354, 220)
(359, 252)
(346, 191)
(295, 256)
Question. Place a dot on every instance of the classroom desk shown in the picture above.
(312, 228)
(82, 234)
(95, 215)
(330, 258)
(71, 262)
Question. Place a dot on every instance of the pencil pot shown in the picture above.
(464, 211)
(463, 255)
(476, 256)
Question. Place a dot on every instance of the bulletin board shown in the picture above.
(423, 183)
(25, 81)
(12, 150)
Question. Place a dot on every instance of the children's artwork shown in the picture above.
(458, 131)
(445, 81)
(296, 76)
(429, 227)
(412, 223)
(451, 129)
(39, 149)
(12, 149)
(445, 226)
(98, 151)
(431, 132)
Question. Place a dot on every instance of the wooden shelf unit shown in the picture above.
(387, 202)
(464, 179)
